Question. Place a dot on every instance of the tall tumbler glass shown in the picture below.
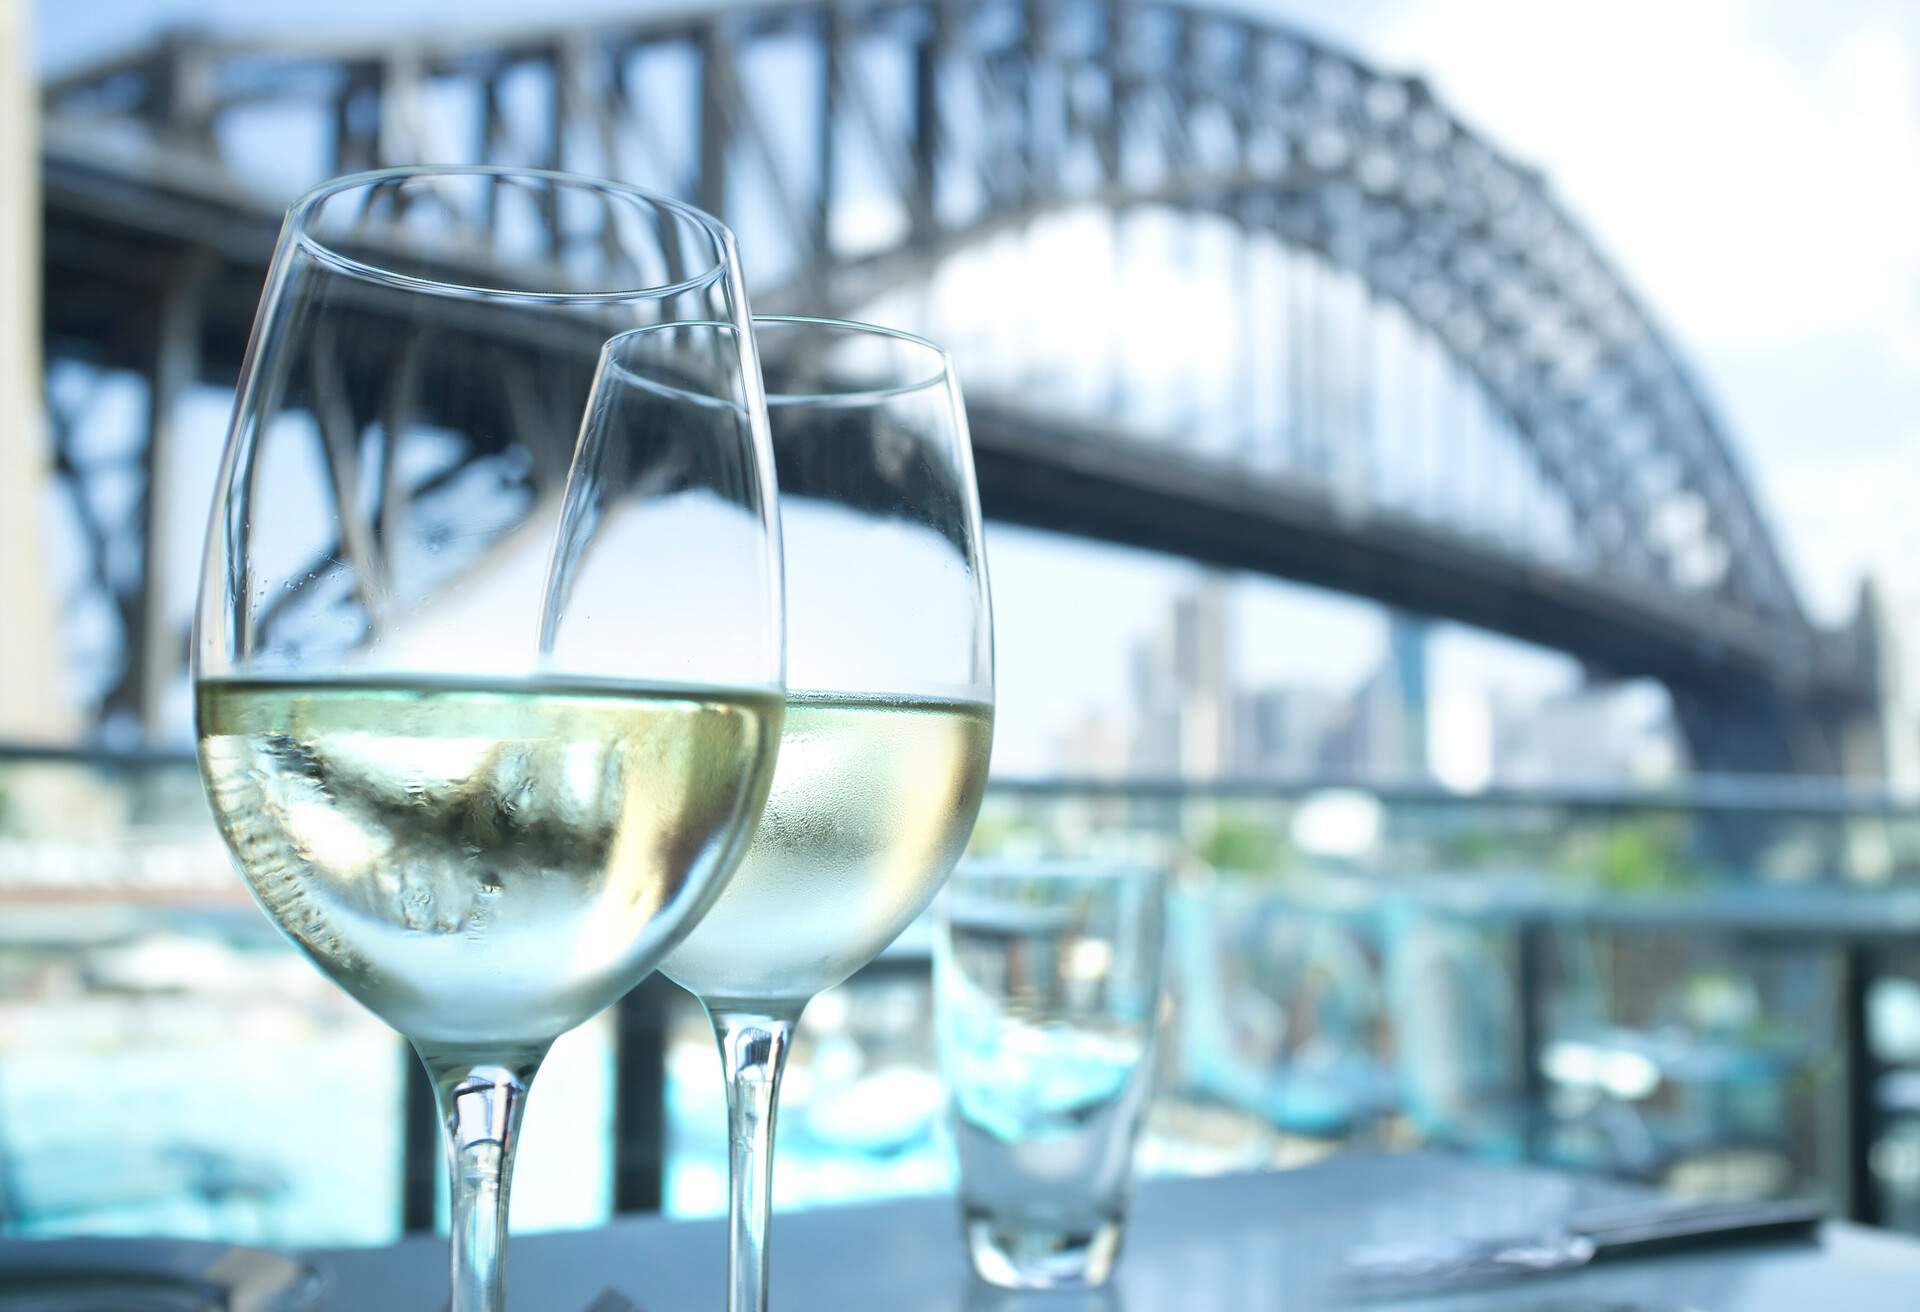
(883, 756)
(488, 656)
(1046, 997)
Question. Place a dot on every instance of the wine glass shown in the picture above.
(883, 755)
(489, 651)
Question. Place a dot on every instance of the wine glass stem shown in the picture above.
(480, 1108)
(753, 1052)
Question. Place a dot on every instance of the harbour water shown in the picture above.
(196, 1078)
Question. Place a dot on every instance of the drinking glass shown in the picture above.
(1046, 997)
(883, 756)
(488, 656)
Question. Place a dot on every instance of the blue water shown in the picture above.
(184, 1085)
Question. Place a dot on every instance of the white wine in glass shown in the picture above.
(872, 803)
(479, 864)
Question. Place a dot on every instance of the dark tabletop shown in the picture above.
(1233, 1244)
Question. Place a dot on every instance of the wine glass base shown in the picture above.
(1018, 1255)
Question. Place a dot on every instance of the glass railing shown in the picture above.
(1708, 990)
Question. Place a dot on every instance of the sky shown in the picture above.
(1753, 166)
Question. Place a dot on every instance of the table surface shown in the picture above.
(1231, 1244)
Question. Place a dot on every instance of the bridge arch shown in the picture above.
(858, 147)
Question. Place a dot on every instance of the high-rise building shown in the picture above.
(1384, 735)
(1598, 733)
(1282, 732)
(1092, 746)
(1184, 688)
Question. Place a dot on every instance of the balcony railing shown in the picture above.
(1708, 988)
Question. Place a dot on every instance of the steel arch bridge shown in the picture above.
(1410, 374)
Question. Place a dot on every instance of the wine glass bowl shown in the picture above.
(889, 712)
(890, 665)
(410, 365)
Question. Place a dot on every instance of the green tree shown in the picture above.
(1238, 844)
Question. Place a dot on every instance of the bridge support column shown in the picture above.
(1853, 723)
(31, 704)
(1737, 726)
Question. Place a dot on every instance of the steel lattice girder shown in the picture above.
(1038, 107)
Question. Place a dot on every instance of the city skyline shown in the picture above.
(1192, 714)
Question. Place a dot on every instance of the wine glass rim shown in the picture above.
(941, 374)
(941, 371)
(301, 211)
